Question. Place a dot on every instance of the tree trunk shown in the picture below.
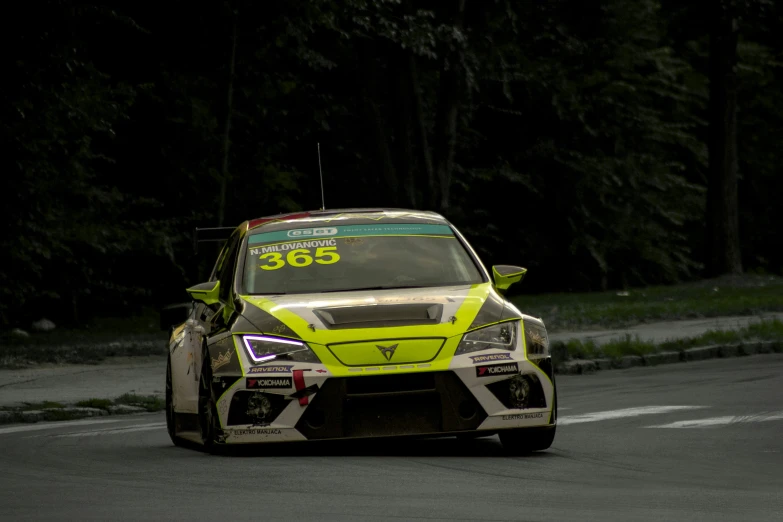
(421, 127)
(227, 128)
(723, 244)
(404, 131)
(370, 72)
(446, 119)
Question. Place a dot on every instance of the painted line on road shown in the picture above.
(620, 414)
(722, 421)
(114, 431)
(50, 425)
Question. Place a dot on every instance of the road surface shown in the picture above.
(699, 441)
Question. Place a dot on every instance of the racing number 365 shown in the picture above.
(300, 257)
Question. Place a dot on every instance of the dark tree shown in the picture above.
(723, 243)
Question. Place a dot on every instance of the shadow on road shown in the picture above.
(380, 447)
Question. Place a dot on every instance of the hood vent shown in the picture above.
(376, 316)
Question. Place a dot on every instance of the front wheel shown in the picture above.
(207, 412)
(522, 441)
(171, 419)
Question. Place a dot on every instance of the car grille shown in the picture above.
(519, 392)
(387, 405)
(255, 408)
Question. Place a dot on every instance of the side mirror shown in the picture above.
(206, 293)
(507, 275)
(174, 315)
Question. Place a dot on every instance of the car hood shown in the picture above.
(345, 316)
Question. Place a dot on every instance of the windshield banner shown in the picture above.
(345, 231)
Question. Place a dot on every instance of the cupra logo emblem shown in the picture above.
(387, 351)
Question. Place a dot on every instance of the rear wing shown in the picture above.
(215, 234)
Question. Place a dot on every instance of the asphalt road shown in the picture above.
(696, 441)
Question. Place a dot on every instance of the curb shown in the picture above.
(65, 414)
(702, 353)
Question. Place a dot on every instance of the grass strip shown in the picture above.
(767, 330)
(20, 356)
(736, 295)
(56, 411)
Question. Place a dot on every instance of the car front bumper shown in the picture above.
(418, 403)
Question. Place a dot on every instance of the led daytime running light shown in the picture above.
(267, 357)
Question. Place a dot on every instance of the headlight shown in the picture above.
(536, 341)
(501, 336)
(264, 348)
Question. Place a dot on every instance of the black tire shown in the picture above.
(523, 441)
(207, 410)
(171, 422)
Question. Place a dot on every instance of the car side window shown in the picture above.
(227, 270)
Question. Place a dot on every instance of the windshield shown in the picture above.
(356, 257)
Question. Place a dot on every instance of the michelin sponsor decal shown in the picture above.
(269, 382)
(491, 357)
(285, 247)
(271, 369)
(523, 416)
(497, 369)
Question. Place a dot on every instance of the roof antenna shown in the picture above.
(321, 173)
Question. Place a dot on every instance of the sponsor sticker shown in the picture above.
(491, 357)
(268, 431)
(351, 231)
(222, 359)
(271, 369)
(312, 232)
(523, 416)
(497, 369)
(269, 382)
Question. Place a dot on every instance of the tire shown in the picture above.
(207, 411)
(523, 441)
(171, 422)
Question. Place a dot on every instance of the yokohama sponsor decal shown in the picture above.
(497, 369)
(490, 357)
(269, 382)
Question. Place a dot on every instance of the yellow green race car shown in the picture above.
(357, 323)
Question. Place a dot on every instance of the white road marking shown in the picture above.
(114, 431)
(722, 421)
(619, 414)
(50, 425)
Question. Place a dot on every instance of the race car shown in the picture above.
(357, 323)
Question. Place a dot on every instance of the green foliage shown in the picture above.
(148, 402)
(771, 330)
(749, 295)
(566, 136)
(101, 404)
(29, 406)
